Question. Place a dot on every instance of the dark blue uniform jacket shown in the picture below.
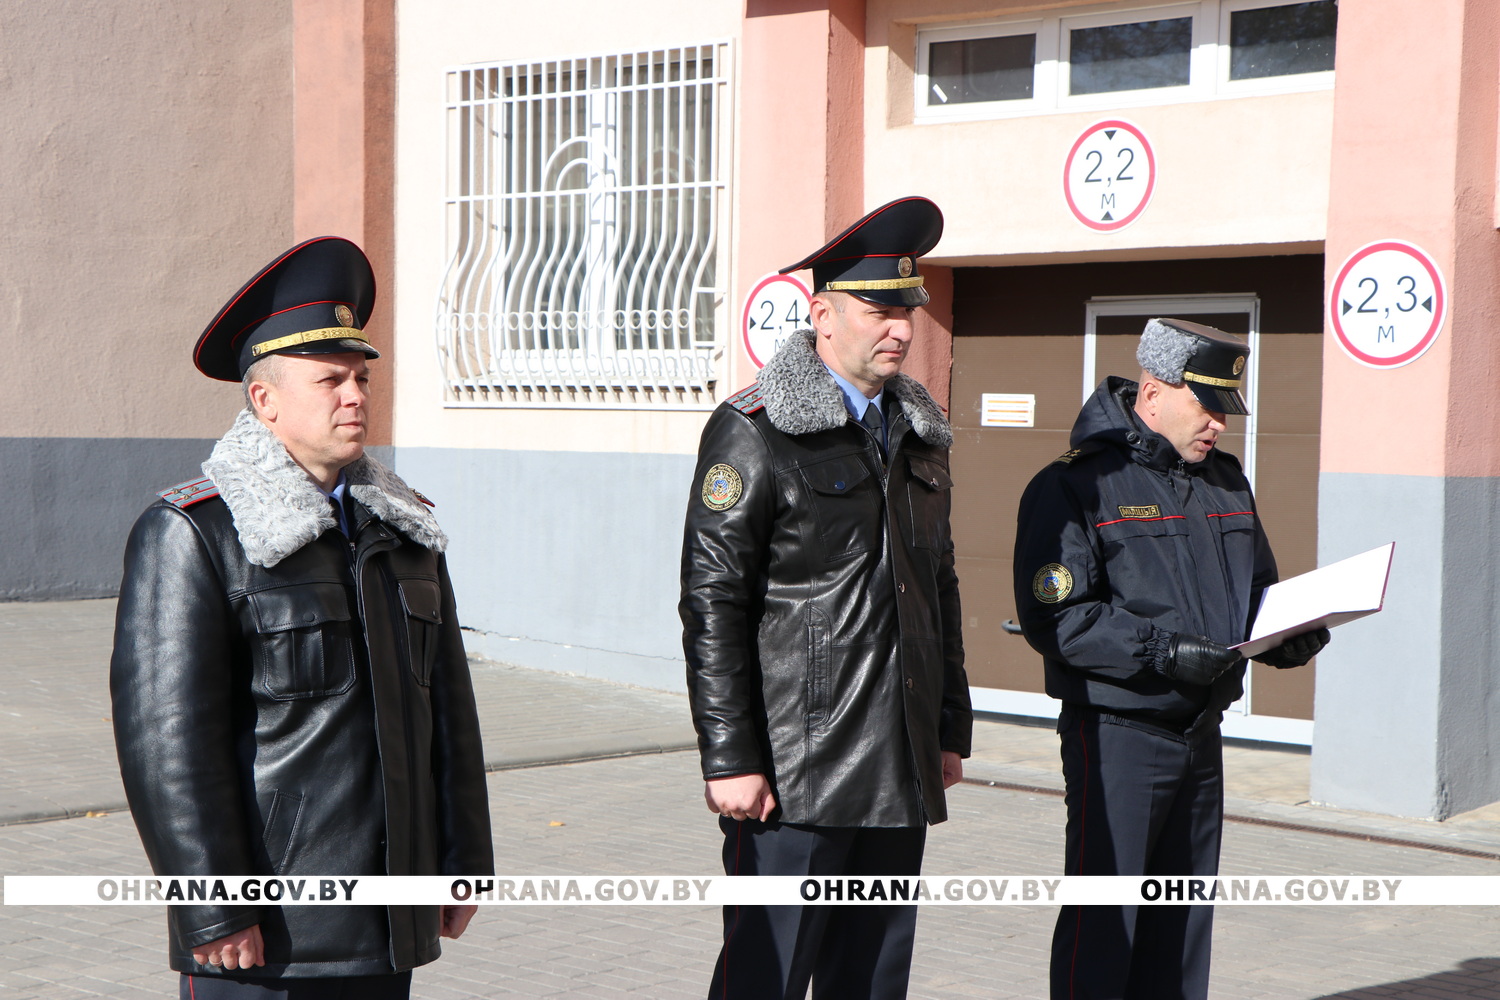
(1120, 545)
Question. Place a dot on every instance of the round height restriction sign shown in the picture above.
(1109, 176)
(776, 307)
(1387, 304)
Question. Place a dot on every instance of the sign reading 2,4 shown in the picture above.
(776, 308)
(1387, 304)
(1109, 175)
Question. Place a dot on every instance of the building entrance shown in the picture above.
(1049, 335)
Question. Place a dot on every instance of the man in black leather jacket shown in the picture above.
(1139, 560)
(821, 621)
(291, 694)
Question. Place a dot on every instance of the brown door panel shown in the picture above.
(994, 658)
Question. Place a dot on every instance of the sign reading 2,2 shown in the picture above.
(1109, 176)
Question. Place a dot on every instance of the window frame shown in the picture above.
(1209, 62)
(491, 356)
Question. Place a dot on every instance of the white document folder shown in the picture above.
(1329, 595)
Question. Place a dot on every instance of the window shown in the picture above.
(1281, 41)
(1109, 58)
(584, 222)
(1138, 55)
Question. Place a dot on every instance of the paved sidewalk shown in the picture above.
(628, 804)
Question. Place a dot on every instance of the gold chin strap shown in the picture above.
(1220, 383)
(874, 284)
(308, 337)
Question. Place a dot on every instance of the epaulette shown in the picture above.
(1070, 456)
(422, 498)
(184, 495)
(747, 400)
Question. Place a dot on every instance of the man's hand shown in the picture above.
(1296, 651)
(953, 769)
(744, 796)
(1200, 661)
(237, 951)
(456, 919)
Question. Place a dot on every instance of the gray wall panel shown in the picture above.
(71, 502)
(563, 560)
(1468, 742)
(1380, 694)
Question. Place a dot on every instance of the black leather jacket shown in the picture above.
(314, 716)
(1150, 546)
(820, 607)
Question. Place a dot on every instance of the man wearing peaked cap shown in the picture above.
(291, 694)
(1139, 562)
(821, 621)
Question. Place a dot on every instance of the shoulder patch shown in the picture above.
(185, 494)
(748, 400)
(423, 499)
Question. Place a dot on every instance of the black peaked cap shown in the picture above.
(313, 299)
(876, 258)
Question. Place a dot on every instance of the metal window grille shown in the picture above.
(584, 223)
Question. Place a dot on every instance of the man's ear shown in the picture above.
(820, 314)
(263, 401)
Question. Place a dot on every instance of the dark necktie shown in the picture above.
(872, 420)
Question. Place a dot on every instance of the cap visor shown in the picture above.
(1226, 401)
(344, 345)
(911, 298)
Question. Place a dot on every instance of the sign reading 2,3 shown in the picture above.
(1387, 304)
(1109, 175)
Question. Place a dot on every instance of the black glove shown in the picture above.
(1296, 651)
(1196, 660)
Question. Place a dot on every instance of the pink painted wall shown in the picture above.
(1414, 158)
(344, 151)
(800, 175)
(801, 170)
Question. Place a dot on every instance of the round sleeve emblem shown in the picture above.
(1052, 583)
(722, 487)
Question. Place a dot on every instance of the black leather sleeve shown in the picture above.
(457, 754)
(956, 725)
(170, 680)
(724, 560)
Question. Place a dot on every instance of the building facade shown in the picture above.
(574, 207)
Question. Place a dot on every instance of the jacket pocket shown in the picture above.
(304, 646)
(846, 503)
(281, 825)
(423, 601)
(818, 641)
(928, 491)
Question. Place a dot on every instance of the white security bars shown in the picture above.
(584, 222)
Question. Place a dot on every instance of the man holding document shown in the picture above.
(1140, 560)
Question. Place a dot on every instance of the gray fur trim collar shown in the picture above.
(802, 398)
(277, 509)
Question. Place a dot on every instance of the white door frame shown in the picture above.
(1238, 722)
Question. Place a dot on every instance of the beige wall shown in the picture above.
(1269, 188)
(434, 36)
(146, 176)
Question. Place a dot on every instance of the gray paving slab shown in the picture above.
(629, 803)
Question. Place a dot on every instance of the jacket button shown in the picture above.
(839, 485)
(310, 617)
(901, 587)
(911, 685)
(1133, 438)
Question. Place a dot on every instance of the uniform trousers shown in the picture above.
(846, 952)
(229, 987)
(1141, 800)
